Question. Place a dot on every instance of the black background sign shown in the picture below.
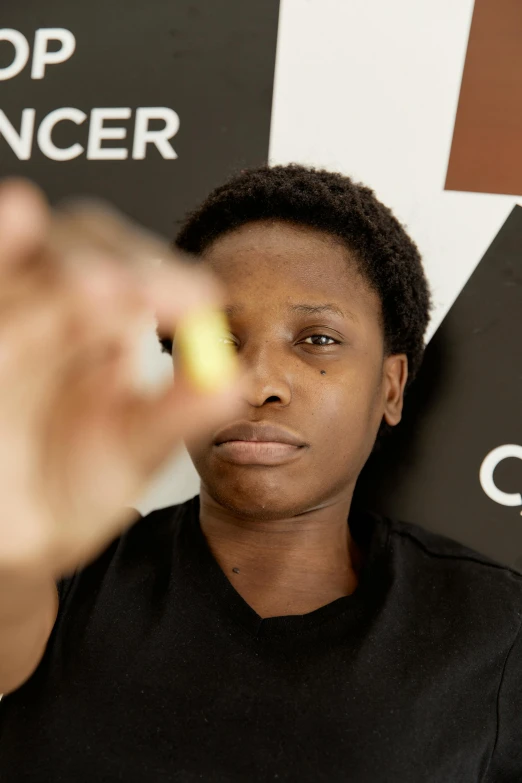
(211, 64)
(465, 403)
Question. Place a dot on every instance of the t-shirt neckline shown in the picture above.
(367, 529)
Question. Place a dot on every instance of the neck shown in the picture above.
(284, 566)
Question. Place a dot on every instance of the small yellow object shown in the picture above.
(207, 361)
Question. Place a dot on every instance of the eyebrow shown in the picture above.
(307, 309)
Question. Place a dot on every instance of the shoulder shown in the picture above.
(151, 534)
(435, 545)
(147, 537)
(453, 576)
(151, 523)
(449, 553)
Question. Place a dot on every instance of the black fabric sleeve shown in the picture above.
(506, 761)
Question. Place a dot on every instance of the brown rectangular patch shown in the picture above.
(486, 152)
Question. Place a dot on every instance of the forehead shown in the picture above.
(271, 257)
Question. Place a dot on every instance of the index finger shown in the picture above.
(91, 235)
(24, 220)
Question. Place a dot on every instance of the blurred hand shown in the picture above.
(78, 442)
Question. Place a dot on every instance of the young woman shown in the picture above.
(266, 629)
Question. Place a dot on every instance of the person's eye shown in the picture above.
(321, 337)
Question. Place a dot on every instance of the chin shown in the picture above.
(256, 497)
(267, 493)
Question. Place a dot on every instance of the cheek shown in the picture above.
(344, 411)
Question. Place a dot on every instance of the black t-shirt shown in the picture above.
(157, 670)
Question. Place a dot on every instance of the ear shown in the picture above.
(395, 375)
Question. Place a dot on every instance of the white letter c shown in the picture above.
(486, 475)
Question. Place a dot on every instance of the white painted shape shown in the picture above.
(370, 88)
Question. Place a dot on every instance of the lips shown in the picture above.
(246, 443)
(250, 431)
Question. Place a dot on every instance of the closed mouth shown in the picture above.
(243, 452)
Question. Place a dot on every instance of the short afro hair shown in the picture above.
(333, 203)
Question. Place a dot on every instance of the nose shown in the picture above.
(268, 372)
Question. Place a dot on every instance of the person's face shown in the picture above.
(274, 274)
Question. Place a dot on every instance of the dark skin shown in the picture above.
(280, 532)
